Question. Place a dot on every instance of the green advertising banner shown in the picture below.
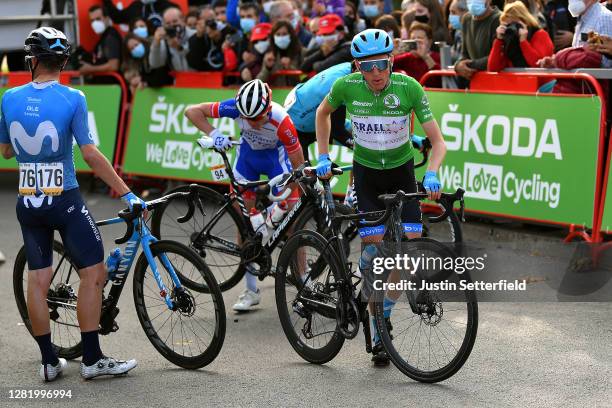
(531, 157)
(103, 103)
(606, 221)
(162, 141)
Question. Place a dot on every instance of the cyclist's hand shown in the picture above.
(417, 141)
(130, 199)
(324, 166)
(432, 185)
(221, 141)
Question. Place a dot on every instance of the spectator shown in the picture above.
(457, 10)
(372, 9)
(259, 45)
(220, 9)
(191, 21)
(107, 52)
(149, 10)
(135, 63)
(407, 20)
(333, 48)
(478, 31)
(285, 54)
(430, 12)
(520, 41)
(417, 62)
(560, 23)
(139, 28)
(170, 43)
(322, 7)
(212, 47)
(387, 23)
(352, 21)
(249, 17)
(285, 10)
(535, 9)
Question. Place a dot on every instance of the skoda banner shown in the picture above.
(103, 102)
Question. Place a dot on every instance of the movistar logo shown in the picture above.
(32, 145)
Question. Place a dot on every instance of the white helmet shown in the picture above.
(253, 98)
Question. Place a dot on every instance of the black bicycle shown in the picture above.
(427, 337)
(221, 231)
(185, 326)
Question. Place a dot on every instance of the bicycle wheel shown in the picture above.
(312, 333)
(191, 336)
(61, 298)
(432, 333)
(220, 248)
(448, 231)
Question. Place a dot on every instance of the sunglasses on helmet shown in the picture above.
(368, 66)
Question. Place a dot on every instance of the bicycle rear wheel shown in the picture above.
(191, 336)
(311, 331)
(431, 333)
(220, 248)
(447, 231)
(61, 299)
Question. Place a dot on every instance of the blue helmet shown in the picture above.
(371, 42)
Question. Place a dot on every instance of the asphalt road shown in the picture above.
(526, 355)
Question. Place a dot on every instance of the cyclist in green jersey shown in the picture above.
(380, 104)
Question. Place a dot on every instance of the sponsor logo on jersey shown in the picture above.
(359, 103)
(391, 101)
(32, 145)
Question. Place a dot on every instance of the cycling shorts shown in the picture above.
(370, 183)
(68, 214)
(252, 164)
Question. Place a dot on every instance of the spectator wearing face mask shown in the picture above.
(352, 21)
(372, 9)
(479, 27)
(285, 54)
(220, 10)
(212, 47)
(150, 10)
(170, 43)
(323, 7)
(333, 46)
(430, 12)
(417, 62)
(191, 21)
(135, 63)
(457, 9)
(520, 41)
(387, 23)
(259, 45)
(286, 10)
(139, 28)
(246, 19)
(107, 52)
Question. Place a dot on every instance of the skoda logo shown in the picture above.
(391, 101)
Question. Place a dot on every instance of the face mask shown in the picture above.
(455, 21)
(476, 7)
(349, 22)
(138, 51)
(361, 25)
(320, 39)
(267, 6)
(295, 20)
(576, 7)
(247, 24)
(98, 26)
(422, 19)
(221, 25)
(262, 46)
(282, 41)
(141, 32)
(189, 32)
(371, 10)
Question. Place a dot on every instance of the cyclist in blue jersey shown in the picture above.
(37, 126)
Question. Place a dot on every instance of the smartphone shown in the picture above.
(408, 45)
(584, 36)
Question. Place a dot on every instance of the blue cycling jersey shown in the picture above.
(40, 120)
(308, 96)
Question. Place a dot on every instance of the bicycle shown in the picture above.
(223, 235)
(320, 314)
(161, 306)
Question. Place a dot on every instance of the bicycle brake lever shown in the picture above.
(128, 216)
(190, 201)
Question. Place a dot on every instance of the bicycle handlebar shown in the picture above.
(208, 143)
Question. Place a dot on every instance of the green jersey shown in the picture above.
(381, 123)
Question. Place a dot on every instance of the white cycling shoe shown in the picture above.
(49, 372)
(247, 300)
(107, 366)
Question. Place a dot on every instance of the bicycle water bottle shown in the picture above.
(112, 262)
(276, 214)
(259, 223)
(365, 260)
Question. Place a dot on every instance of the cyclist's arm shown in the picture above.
(103, 169)
(288, 136)
(438, 147)
(199, 114)
(7, 150)
(323, 126)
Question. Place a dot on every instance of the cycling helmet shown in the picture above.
(253, 98)
(46, 42)
(371, 42)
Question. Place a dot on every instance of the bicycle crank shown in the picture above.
(347, 318)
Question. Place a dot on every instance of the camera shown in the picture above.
(233, 38)
(409, 45)
(512, 30)
(172, 32)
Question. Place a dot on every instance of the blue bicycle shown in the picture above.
(186, 327)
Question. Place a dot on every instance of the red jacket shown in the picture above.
(414, 65)
(538, 47)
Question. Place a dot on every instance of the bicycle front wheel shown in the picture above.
(191, 335)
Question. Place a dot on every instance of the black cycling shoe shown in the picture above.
(379, 355)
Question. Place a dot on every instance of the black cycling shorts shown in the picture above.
(67, 214)
(370, 183)
(338, 132)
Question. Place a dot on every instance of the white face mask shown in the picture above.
(262, 46)
(282, 41)
(320, 39)
(576, 7)
(98, 26)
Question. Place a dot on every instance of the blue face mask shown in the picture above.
(476, 7)
(247, 24)
(141, 32)
(138, 51)
(455, 21)
(370, 10)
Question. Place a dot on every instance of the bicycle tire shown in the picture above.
(455, 230)
(19, 270)
(226, 275)
(300, 239)
(218, 336)
(463, 352)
